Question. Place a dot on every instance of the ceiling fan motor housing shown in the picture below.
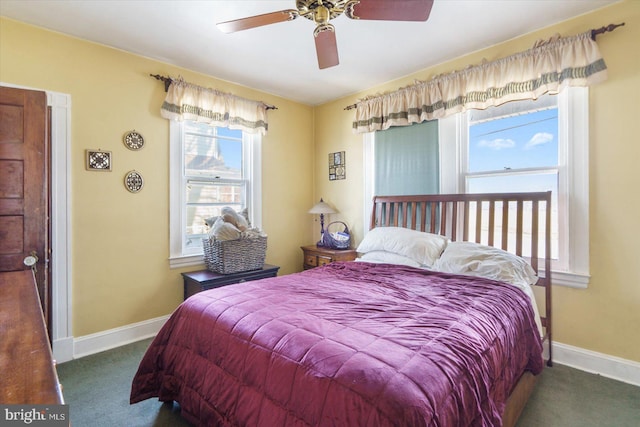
(321, 11)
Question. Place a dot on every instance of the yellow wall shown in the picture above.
(120, 242)
(605, 317)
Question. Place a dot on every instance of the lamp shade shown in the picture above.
(322, 208)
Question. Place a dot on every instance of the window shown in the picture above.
(211, 167)
(514, 148)
(486, 151)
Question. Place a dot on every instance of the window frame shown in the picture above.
(561, 263)
(252, 170)
(573, 175)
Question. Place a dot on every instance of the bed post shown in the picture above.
(547, 272)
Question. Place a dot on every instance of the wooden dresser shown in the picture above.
(28, 371)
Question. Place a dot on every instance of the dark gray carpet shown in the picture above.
(97, 387)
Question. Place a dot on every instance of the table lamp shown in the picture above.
(321, 208)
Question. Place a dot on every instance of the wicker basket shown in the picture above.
(328, 241)
(234, 256)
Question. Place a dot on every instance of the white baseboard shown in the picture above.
(612, 367)
(63, 349)
(112, 338)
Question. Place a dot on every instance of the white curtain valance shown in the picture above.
(186, 101)
(548, 67)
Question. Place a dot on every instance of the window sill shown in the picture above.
(185, 261)
(570, 279)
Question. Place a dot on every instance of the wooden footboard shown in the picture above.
(518, 399)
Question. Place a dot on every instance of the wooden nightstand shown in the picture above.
(315, 256)
(197, 281)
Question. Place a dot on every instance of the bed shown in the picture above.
(372, 342)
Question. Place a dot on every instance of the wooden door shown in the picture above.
(24, 163)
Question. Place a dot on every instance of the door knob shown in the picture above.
(31, 260)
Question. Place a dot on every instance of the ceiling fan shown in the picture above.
(321, 11)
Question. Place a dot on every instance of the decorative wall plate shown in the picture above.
(96, 160)
(133, 181)
(133, 140)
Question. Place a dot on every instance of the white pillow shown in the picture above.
(473, 259)
(388, 258)
(423, 248)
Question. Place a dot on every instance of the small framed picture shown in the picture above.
(97, 160)
(337, 166)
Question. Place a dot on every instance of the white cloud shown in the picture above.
(497, 144)
(538, 139)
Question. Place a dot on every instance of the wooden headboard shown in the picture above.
(516, 222)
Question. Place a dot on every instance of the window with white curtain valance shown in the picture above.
(186, 101)
(548, 67)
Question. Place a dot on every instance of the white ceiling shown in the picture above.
(280, 59)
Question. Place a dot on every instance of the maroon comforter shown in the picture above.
(347, 344)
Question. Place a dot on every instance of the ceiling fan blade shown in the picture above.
(390, 10)
(257, 21)
(326, 46)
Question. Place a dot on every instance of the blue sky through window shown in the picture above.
(512, 143)
(522, 141)
(231, 150)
